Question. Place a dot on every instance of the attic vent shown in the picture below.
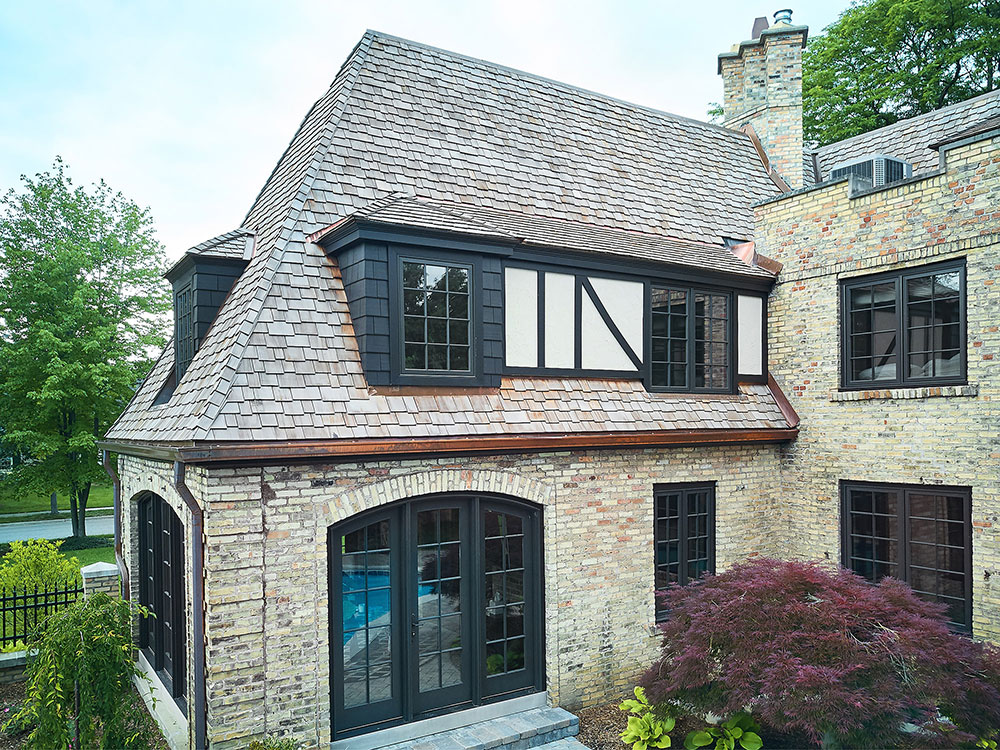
(874, 171)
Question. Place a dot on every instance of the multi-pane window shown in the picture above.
(184, 314)
(505, 595)
(690, 340)
(905, 328)
(436, 317)
(683, 536)
(921, 535)
(161, 588)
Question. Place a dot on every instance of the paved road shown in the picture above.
(56, 529)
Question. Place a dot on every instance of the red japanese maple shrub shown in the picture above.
(811, 650)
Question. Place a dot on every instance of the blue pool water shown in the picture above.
(361, 606)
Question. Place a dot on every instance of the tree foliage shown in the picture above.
(37, 562)
(82, 308)
(79, 682)
(886, 60)
(809, 650)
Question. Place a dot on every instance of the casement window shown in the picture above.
(436, 317)
(905, 327)
(919, 534)
(690, 340)
(163, 637)
(683, 536)
(184, 329)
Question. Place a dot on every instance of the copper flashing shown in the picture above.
(787, 410)
(304, 450)
(771, 172)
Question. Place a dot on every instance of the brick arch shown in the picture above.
(391, 489)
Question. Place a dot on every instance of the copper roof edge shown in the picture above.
(787, 410)
(303, 450)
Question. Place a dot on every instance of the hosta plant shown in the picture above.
(646, 728)
(818, 651)
(741, 730)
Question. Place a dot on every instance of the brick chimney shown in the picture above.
(762, 84)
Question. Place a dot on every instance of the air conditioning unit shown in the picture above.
(874, 171)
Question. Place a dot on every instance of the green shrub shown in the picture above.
(273, 743)
(740, 730)
(37, 562)
(84, 653)
(87, 542)
(645, 727)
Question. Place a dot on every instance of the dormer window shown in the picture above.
(436, 317)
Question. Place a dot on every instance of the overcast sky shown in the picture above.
(185, 106)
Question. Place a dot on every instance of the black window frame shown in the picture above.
(691, 344)
(903, 530)
(398, 371)
(899, 278)
(684, 489)
(184, 343)
(158, 519)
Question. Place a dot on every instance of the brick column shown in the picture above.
(101, 576)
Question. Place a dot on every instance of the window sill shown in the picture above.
(901, 393)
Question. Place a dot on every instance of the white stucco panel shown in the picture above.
(600, 350)
(623, 301)
(521, 317)
(750, 335)
(560, 318)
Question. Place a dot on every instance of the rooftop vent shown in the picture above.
(783, 16)
(874, 171)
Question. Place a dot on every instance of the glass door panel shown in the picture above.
(440, 621)
(368, 609)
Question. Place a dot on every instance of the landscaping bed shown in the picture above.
(601, 727)
(12, 696)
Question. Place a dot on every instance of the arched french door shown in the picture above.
(435, 606)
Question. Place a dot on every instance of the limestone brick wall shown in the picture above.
(266, 564)
(139, 475)
(947, 435)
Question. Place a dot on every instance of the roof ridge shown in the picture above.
(279, 246)
(568, 86)
(948, 108)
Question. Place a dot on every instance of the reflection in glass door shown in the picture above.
(435, 605)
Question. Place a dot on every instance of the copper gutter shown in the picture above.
(301, 450)
(116, 484)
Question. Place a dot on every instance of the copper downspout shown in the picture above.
(198, 605)
(116, 484)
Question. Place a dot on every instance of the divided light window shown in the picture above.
(919, 534)
(690, 340)
(161, 588)
(905, 328)
(436, 317)
(184, 312)
(683, 536)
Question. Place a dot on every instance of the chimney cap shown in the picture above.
(783, 16)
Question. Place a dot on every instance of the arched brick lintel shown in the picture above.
(389, 490)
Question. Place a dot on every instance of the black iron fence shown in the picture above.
(21, 610)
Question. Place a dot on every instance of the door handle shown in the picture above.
(413, 624)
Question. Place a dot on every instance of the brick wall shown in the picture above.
(920, 436)
(266, 564)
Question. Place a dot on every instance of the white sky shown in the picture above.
(185, 106)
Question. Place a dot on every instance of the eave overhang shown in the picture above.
(264, 452)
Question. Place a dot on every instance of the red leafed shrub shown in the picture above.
(811, 650)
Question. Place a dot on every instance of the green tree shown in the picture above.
(82, 309)
(886, 60)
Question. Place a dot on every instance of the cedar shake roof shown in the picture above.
(912, 140)
(526, 230)
(236, 244)
(484, 147)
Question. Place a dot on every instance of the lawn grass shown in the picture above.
(88, 556)
(29, 502)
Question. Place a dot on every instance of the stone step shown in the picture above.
(566, 743)
(536, 727)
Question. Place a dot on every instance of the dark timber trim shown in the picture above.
(308, 450)
(606, 317)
